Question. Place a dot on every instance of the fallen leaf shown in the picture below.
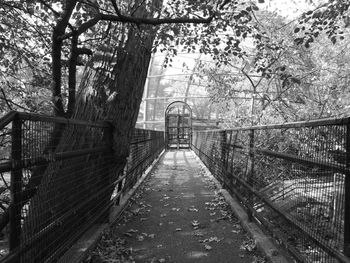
(140, 238)
(207, 247)
(195, 223)
(198, 234)
(178, 229)
(193, 209)
(216, 239)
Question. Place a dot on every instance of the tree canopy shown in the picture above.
(44, 45)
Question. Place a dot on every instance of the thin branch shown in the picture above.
(134, 11)
(8, 101)
(50, 7)
(85, 26)
(116, 8)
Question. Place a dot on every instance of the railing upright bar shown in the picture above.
(16, 184)
(250, 173)
(223, 153)
(347, 196)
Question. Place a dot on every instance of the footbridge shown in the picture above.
(61, 179)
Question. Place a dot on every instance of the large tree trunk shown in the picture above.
(111, 89)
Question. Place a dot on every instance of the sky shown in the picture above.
(290, 8)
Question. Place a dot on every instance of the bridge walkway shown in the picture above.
(176, 216)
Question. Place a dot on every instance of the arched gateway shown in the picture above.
(178, 125)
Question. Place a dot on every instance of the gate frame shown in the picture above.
(166, 112)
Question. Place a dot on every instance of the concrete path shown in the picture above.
(176, 216)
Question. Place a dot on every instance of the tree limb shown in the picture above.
(138, 21)
(156, 21)
(84, 51)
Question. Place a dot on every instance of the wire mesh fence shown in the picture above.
(292, 178)
(58, 178)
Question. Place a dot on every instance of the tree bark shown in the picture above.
(111, 89)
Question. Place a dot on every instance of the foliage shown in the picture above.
(299, 83)
(329, 18)
(60, 31)
(24, 59)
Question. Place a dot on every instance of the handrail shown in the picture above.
(7, 119)
(54, 119)
(299, 124)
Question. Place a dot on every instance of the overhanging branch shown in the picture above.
(156, 21)
(138, 21)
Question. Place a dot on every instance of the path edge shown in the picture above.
(80, 250)
(264, 243)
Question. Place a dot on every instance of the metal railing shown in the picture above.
(292, 178)
(59, 177)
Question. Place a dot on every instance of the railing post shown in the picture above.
(223, 147)
(347, 196)
(16, 184)
(250, 173)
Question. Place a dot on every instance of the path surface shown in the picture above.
(176, 216)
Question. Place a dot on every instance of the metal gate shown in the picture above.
(178, 125)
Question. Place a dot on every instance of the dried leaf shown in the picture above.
(207, 247)
(193, 209)
(140, 238)
(195, 223)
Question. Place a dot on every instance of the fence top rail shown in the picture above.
(6, 119)
(40, 117)
(9, 117)
(300, 124)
